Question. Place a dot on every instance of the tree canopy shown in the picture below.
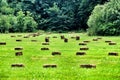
(53, 15)
(105, 19)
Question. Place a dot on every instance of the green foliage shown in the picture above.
(29, 23)
(105, 19)
(25, 23)
(52, 15)
(4, 23)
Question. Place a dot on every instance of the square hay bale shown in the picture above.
(33, 40)
(49, 33)
(95, 39)
(56, 53)
(62, 37)
(18, 48)
(84, 48)
(17, 65)
(44, 48)
(80, 53)
(73, 37)
(108, 41)
(86, 41)
(99, 38)
(65, 40)
(26, 36)
(82, 43)
(19, 35)
(2, 43)
(13, 36)
(113, 54)
(18, 54)
(18, 40)
(54, 36)
(45, 43)
(34, 35)
(49, 66)
(88, 66)
(47, 39)
(112, 43)
(77, 37)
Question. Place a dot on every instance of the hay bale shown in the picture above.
(108, 41)
(56, 53)
(2, 43)
(62, 37)
(47, 39)
(33, 40)
(26, 37)
(82, 43)
(45, 43)
(18, 40)
(112, 43)
(65, 40)
(19, 35)
(77, 37)
(88, 66)
(18, 54)
(34, 35)
(86, 41)
(99, 38)
(113, 53)
(95, 39)
(18, 48)
(49, 66)
(13, 36)
(54, 36)
(80, 53)
(44, 48)
(17, 65)
(73, 37)
(84, 48)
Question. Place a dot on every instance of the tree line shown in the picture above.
(52, 15)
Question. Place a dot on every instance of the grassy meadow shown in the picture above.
(68, 63)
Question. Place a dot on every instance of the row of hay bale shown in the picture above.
(59, 53)
(21, 65)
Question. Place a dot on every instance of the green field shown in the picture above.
(68, 63)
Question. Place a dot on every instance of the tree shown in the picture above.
(4, 24)
(106, 20)
(25, 23)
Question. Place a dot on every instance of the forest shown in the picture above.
(97, 17)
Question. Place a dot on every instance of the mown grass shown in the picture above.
(68, 64)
